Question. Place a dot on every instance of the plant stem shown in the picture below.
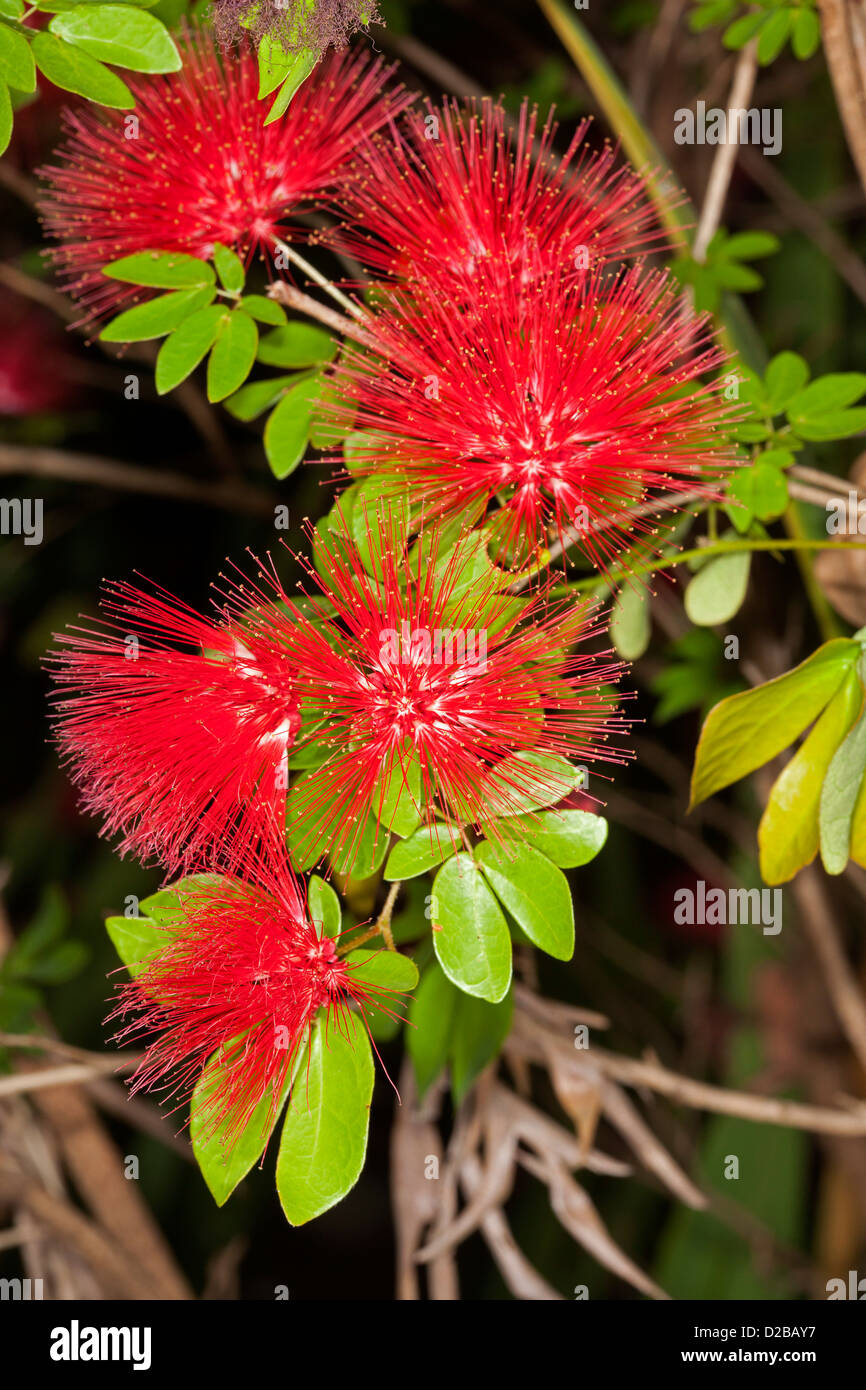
(319, 279)
(702, 552)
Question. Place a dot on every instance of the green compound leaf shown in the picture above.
(6, 116)
(324, 907)
(535, 892)
(422, 850)
(303, 64)
(470, 934)
(528, 781)
(431, 1016)
(223, 1162)
(324, 1138)
(389, 975)
(479, 1030)
(718, 589)
(839, 796)
(232, 355)
(265, 310)
(183, 349)
(161, 270)
(131, 38)
(75, 71)
(296, 345)
(135, 939)
(569, 838)
(630, 624)
(288, 427)
(257, 397)
(748, 729)
(157, 317)
(230, 269)
(16, 60)
(788, 833)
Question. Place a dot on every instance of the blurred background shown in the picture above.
(170, 487)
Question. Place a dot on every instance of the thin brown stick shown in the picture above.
(726, 155)
(71, 1075)
(839, 52)
(113, 1268)
(293, 298)
(126, 477)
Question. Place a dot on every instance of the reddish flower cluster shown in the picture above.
(195, 163)
(458, 188)
(178, 726)
(242, 975)
(427, 669)
(565, 404)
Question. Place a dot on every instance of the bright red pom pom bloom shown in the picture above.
(439, 695)
(177, 727)
(564, 405)
(241, 977)
(196, 164)
(444, 193)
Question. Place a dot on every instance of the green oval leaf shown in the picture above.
(223, 1162)
(570, 838)
(431, 1016)
(74, 71)
(528, 781)
(324, 1138)
(470, 934)
(157, 317)
(161, 270)
(535, 892)
(630, 624)
(748, 729)
(324, 907)
(16, 60)
(479, 1030)
(718, 589)
(135, 939)
(392, 973)
(232, 356)
(288, 427)
(120, 34)
(6, 117)
(230, 269)
(788, 832)
(422, 850)
(839, 798)
(183, 349)
(256, 397)
(296, 345)
(265, 310)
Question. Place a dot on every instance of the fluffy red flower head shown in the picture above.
(177, 726)
(241, 977)
(433, 694)
(459, 188)
(196, 164)
(566, 405)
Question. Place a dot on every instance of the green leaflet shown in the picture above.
(324, 1138)
(748, 729)
(470, 934)
(535, 892)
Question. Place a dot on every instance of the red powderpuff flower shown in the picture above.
(196, 164)
(459, 188)
(241, 977)
(177, 727)
(567, 405)
(434, 691)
